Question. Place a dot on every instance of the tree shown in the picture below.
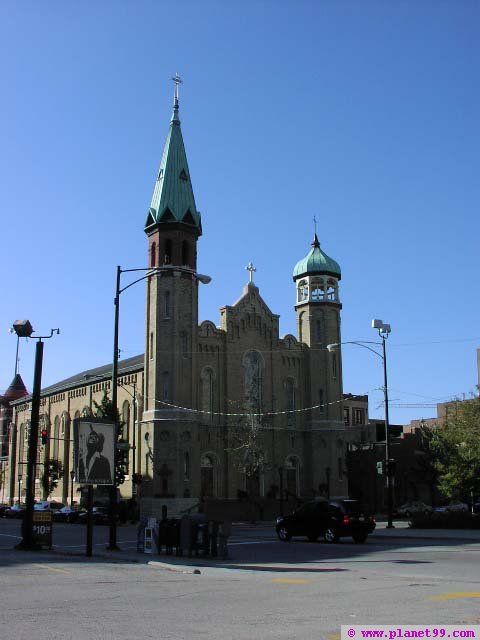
(246, 445)
(105, 410)
(53, 472)
(455, 447)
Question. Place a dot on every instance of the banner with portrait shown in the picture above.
(94, 451)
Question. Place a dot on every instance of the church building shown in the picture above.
(216, 410)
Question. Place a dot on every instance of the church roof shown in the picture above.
(129, 365)
(316, 262)
(173, 199)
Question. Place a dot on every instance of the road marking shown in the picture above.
(291, 581)
(49, 568)
(333, 636)
(455, 595)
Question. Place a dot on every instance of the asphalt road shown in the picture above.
(268, 589)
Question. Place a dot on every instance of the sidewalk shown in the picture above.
(402, 530)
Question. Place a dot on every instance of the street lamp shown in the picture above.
(150, 271)
(24, 329)
(72, 477)
(383, 331)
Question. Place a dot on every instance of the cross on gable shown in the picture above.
(250, 268)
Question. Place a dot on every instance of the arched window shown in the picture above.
(63, 423)
(302, 291)
(207, 472)
(185, 253)
(21, 450)
(126, 420)
(318, 330)
(253, 374)
(207, 392)
(290, 397)
(317, 291)
(334, 365)
(168, 251)
(186, 466)
(56, 436)
(300, 326)
(153, 258)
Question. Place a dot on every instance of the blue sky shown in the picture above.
(363, 114)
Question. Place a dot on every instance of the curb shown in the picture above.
(174, 567)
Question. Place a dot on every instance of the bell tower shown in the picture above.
(318, 308)
(173, 227)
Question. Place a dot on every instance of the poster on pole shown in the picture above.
(94, 451)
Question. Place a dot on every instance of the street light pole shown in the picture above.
(24, 329)
(112, 545)
(150, 271)
(383, 331)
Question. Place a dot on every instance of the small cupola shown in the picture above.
(316, 277)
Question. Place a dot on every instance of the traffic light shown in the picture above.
(44, 434)
(391, 467)
(380, 468)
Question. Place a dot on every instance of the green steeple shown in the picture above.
(173, 199)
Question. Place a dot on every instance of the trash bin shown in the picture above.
(193, 534)
(213, 538)
(162, 535)
(172, 542)
(224, 532)
(141, 535)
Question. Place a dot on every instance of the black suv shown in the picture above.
(332, 519)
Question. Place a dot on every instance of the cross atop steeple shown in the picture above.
(250, 268)
(315, 224)
(177, 80)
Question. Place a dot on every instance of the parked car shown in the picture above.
(414, 507)
(44, 505)
(3, 508)
(67, 514)
(15, 511)
(332, 519)
(100, 515)
(455, 506)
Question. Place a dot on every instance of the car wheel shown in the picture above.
(330, 535)
(312, 537)
(284, 534)
(359, 538)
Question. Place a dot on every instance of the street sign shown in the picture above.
(42, 528)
